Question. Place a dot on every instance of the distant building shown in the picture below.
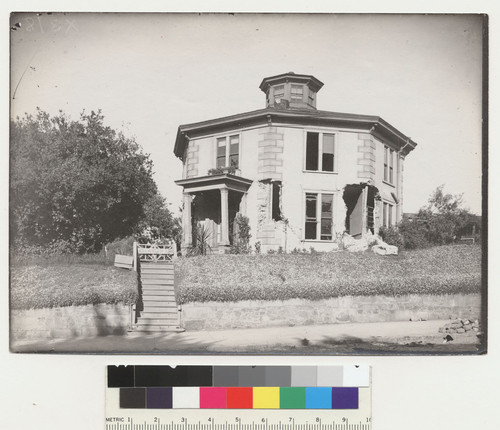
(302, 176)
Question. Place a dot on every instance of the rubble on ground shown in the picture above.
(377, 245)
(385, 249)
(460, 326)
(354, 245)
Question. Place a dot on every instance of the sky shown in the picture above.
(149, 73)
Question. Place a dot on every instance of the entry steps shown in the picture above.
(160, 312)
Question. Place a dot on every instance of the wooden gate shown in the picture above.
(153, 252)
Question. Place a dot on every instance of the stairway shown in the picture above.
(159, 313)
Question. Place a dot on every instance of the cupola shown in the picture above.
(291, 91)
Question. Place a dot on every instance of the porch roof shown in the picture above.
(214, 182)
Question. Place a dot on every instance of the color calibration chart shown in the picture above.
(238, 398)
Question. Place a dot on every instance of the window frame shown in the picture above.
(387, 214)
(321, 135)
(311, 97)
(319, 215)
(281, 88)
(294, 96)
(389, 171)
(227, 156)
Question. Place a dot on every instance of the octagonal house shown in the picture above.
(302, 176)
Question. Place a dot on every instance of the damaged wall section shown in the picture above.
(270, 173)
(269, 231)
(361, 209)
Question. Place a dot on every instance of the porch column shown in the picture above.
(224, 211)
(186, 221)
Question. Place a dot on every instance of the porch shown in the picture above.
(210, 204)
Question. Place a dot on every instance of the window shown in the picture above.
(279, 91)
(276, 201)
(228, 149)
(387, 214)
(319, 216)
(388, 165)
(320, 152)
(311, 98)
(297, 92)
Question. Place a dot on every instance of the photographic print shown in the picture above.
(248, 183)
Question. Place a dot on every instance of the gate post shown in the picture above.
(134, 256)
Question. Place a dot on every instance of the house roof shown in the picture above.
(375, 125)
(314, 83)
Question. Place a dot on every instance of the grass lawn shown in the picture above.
(51, 284)
(438, 270)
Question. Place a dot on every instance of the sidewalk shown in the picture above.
(364, 338)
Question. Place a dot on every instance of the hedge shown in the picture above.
(229, 278)
(38, 286)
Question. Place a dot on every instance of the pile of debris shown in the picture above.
(460, 326)
(370, 241)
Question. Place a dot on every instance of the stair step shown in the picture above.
(162, 301)
(169, 307)
(150, 297)
(160, 264)
(157, 275)
(157, 295)
(158, 287)
(149, 329)
(146, 313)
(156, 272)
(149, 304)
(157, 282)
(157, 321)
(163, 292)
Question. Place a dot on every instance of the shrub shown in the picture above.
(441, 222)
(241, 235)
(391, 236)
(124, 246)
(414, 234)
(257, 247)
(201, 245)
(222, 170)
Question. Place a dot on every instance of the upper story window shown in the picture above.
(388, 165)
(279, 91)
(297, 92)
(311, 98)
(228, 151)
(320, 152)
(319, 216)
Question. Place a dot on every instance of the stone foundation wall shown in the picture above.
(254, 314)
(69, 322)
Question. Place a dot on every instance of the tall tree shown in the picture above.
(75, 185)
(158, 222)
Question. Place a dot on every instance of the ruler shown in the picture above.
(268, 420)
(238, 419)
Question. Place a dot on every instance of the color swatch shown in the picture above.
(238, 387)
